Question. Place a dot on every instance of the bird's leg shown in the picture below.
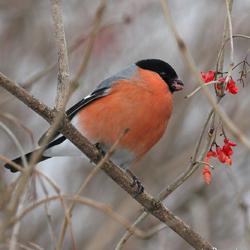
(136, 182)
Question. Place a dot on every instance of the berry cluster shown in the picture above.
(223, 154)
(211, 76)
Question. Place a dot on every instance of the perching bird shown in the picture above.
(138, 99)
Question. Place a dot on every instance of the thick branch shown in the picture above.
(150, 204)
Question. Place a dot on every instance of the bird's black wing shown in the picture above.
(71, 112)
(98, 93)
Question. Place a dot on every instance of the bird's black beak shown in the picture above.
(177, 85)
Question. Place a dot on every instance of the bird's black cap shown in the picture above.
(166, 72)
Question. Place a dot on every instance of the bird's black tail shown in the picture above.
(19, 161)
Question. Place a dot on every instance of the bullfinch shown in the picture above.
(137, 99)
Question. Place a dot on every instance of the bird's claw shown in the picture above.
(136, 183)
(100, 149)
(139, 186)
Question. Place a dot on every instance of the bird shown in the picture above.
(138, 100)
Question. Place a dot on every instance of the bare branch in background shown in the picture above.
(220, 59)
(85, 183)
(91, 41)
(63, 64)
(64, 205)
(19, 124)
(80, 200)
(62, 97)
(16, 201)
(16, 227)
(238, 134)
(229, 4)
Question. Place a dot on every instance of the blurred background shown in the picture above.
(130, 30)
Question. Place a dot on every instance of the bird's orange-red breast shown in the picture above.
(142, 105)
(138, 98)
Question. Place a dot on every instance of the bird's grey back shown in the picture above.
(123, 74)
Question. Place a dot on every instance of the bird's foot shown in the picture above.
(136, 182)
(100, 148)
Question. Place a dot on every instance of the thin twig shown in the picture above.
(62, 97)
(172, 187)
(21, 246)
(80, 200)
(63, 63)
(72, 85)
(86, 182)
(16, 142)
(199, 88)
(154, 230)
(220, 58)
(230, 30)
(51, 226)
(190, 63)
(16, 228)
(98, 17)
(91, 41)
(58, 191)
(229, 4)
(13, 164)
(63, 84)
(35, 246)
(128, 234)
(76, 44)
(72, 48)
(15, 199)
(18, 123)
(220, 54)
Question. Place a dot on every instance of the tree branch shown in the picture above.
(150, 204)
(63, 64)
